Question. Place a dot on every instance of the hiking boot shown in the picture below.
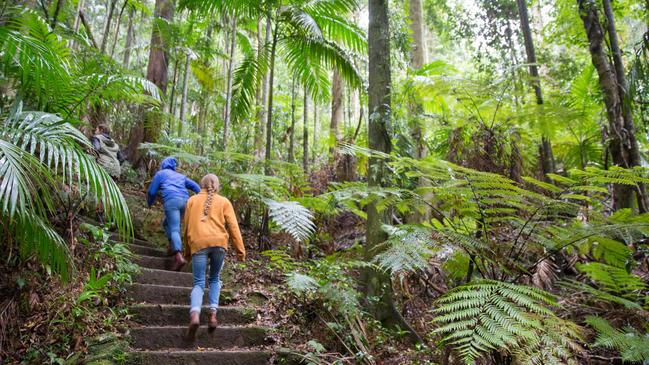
(193, 325)
(213, 322)
(179, 262)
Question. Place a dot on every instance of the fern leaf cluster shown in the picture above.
(487, 316)
(293, 218)
(632, 345)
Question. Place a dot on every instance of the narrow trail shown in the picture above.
(160, 313)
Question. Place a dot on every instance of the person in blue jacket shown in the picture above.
(172, 186)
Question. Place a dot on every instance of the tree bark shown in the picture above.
(315, 130)
(291, 138)
(174, 83)
(82, 17)
(417, 60)
(545, 148)
(129, 39)
(622, 143)
(269, 117)
(59, 4)
(336, 112)
(183, 99)
(228, 96)
(119, 24)
(305, 133)
(377, 283)
(262, 91)
(109, 19)
(147, 131)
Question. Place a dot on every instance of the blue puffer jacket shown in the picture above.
(170, 184)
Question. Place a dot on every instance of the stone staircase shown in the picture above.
(160, 311)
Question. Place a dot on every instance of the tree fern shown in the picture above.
(557, 343)
(632, 345)
(486, 316)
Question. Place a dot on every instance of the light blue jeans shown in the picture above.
(215, 255)
(174, 211)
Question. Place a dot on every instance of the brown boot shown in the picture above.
(179, 262)
(213, 322)
(193, 325)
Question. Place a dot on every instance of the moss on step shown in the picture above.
(105, 349)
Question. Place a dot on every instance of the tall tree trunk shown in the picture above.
(545, 148)
(262, 90)
(109, 19)
(129, 39)
(183, 99)
(417, 60)
(77, 19)
(622, 145)
(305, 133)
(336, 112)
(228, 96)
(291, 138)
(377, 283)
(117, 29)
(147, 130)
(59, 5)
(315, 130)
(174, 83)
(269, 117)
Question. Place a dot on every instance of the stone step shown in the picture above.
(154, 262)
(178, 315)
(157, 338)
(119, 238)
(164, 294)
(164, 277)
(146, 250)
(199, 357)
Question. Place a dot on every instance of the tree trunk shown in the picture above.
(59, 5)
(545, 148)
(129, 39)
(315, 130)
(622, 144)
(269, 117)
(157, 73)
(415, 107)
(305, 133)
(183, 99)
(174, 83)
(119, 24)
(77, 19)
(377, 284)
(417, 60)
(228, 96)
(291, 138)
(336, 112)
(109, 19)
(262, 91)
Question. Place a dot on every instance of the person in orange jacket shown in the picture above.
(209, 223)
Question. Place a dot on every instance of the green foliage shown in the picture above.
(408, 248)
(631, 345)
(486, 316)
(293, 218)
(41, 152)
(612, 279)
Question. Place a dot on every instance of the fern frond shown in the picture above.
(292, 217)
(632, 345)
(408, 248)
(480, 317)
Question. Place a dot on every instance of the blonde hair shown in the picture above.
(210, 183)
